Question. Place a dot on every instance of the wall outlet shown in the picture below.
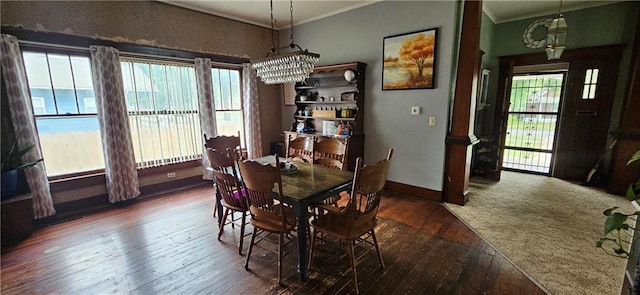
(415, 110)
(432, 120)
(171, 175)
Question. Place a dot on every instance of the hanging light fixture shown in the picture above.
(557, 36)
(279, 68)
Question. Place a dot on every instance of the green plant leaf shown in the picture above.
(633, 192)
(608, 211)
(635, 157)
(615, 221)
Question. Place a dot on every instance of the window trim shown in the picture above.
(58, 43)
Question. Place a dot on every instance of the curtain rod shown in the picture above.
(123, 53)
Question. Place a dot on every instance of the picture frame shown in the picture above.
(409, 60)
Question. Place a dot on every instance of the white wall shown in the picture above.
(357, 35)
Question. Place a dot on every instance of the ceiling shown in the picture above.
(257, 11)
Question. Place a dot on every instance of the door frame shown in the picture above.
(505, 72)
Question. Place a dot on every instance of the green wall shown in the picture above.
(597, 26)
(602, 25)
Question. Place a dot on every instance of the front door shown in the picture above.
(585, 116)
(534, 108)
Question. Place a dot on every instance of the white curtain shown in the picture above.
(15, 80)
(251, 112)
(120, 164)
(206, 108)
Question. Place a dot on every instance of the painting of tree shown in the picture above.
(409, 60)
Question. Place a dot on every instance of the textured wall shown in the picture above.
(357, 35)
(154, 24)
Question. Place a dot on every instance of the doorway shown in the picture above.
(534, 110)
(562, 128)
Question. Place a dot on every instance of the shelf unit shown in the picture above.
(327, 90)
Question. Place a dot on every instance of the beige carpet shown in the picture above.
(548, 227)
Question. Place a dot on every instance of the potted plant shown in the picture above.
(11, 163)
(619, 226)
(619, 238)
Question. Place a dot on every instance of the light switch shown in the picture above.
(415, 110)
(432, 120)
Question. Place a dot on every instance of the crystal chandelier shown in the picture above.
(279, 68)
(557, 36)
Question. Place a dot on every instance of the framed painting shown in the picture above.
(409, 60)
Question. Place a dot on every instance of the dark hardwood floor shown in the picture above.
(168, 245)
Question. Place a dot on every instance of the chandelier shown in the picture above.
(556, 36)
(279, 68)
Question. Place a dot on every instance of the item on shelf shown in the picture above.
(347, 96)
(325, 113)
(328, 128)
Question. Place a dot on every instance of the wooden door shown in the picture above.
(585, 108)
(582, 137)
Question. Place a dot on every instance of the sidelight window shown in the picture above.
(590, 82)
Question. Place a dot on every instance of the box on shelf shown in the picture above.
(324, 113)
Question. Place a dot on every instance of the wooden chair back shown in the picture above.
(300, 148)
(331, 152)
(223, 163)
(222, 142)
(259, 180)
(368, 185)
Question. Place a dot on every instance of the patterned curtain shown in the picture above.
(120, 164)
(15, 79)
(251, 112)
(206, 108)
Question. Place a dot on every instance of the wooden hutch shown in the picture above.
(329, 101)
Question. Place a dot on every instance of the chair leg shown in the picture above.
(375, 242)
(253, 238)
(224, 220)
(352, 260)
(280, 258)
(215, 201)
(313, 238)
(244, 217)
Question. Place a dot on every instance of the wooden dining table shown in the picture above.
(309, 185)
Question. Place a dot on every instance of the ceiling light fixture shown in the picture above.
(557, 36)
(279, 68)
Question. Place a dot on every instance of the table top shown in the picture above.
(310, 180)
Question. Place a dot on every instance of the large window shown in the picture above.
(64, 107)
(163, 112)
(228, 102)
(162, 104)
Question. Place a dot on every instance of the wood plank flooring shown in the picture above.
(168, 245)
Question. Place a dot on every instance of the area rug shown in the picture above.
(548, 227)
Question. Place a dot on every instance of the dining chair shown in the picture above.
(222, 143)
(300, 148)
(357, 221)
(229, 186)
(267, 216)
(331, 152)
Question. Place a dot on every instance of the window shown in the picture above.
(68, 130)
(163, 112)
(590, 82)
(228, 102)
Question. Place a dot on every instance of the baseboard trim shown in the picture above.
(415, 191)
